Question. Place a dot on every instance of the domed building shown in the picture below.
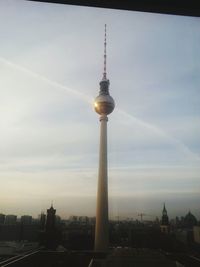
(190, 220)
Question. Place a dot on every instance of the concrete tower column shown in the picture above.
(101, 231)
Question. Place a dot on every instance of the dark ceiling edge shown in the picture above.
(171, 7)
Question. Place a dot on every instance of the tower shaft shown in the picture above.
(101, 230)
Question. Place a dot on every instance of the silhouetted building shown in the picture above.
(2, 218)
(164, 227)
(10, 232)
(51, 219)
(185, 232)
(140, 236)
(19, 232)
(29, 232)
(78, 236)
(58, 220)
(10, 219)
(196, 232)
(52, 234)
(26, 219)
(42, 221)
(190, 220)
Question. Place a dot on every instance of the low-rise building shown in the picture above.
(196, 233)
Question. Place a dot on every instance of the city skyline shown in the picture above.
(49, 131)
(139, 217)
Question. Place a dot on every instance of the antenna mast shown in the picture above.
(105, 56)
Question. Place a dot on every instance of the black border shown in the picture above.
(173, 7)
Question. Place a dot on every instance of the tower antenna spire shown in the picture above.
(105, 56)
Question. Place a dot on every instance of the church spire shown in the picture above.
(165, 219)
(165, 227)
(164, 209)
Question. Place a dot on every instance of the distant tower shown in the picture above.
(164, 227)
(51, 234)
(104, 105)
(51, 219)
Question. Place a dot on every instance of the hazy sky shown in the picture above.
(51, 62)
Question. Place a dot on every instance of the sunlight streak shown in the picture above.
(86, 98)
(89, 99)
(158, 131)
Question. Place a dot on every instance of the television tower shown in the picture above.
(104, 105)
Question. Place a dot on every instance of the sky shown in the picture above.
(51, 63)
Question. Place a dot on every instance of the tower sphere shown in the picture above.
(104, 104)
